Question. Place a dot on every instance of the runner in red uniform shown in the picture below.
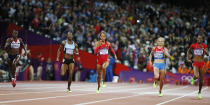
(102, 49)
(12, 47)
(199, 50)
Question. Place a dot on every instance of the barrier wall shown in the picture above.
(135, 75)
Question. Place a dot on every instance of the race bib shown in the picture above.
(103, 51)
(198, 52)
(69, 51)
(158, 55)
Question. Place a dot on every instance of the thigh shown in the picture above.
(162, 73)
(196, 71)
(71, 68)
(156, 72)
(99, 67)
(63, 68)
(105, 65)
(202, 72)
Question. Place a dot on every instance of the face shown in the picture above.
(103, 36)
(15, 34)
(160, 42)
(199, 39)
(69, 36)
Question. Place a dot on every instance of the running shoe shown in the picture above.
(98, 90)
(160, 94)
(103, 84)
(68, 91)
(13, 83)
(199, 96)
(155, 84)
(192, 81)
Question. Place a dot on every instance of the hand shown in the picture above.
(188, 60)
(115, 57)
(57, 59)
(172, 58)
(150, 63)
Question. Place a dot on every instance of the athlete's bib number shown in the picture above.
(69, 51)
(198, 52)
(158, 55)
(103, 51)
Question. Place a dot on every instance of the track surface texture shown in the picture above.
(84, 93)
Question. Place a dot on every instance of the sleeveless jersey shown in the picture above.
(103, 51)
(69, 48)
(159, 53)
(197, 48)
(15, 44)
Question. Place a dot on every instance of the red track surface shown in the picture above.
(83, 93)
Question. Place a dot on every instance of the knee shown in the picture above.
(99, 76)
(156, 76)
(62, 73)
(195, 77)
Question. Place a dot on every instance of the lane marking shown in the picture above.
(33, 99)
(88, 89)
(117, 98)
(180, 97)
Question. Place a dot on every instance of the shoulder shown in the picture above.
(108, 43)
(63, 42)
(9, 39)
(20, 39)
(153, 49)
(97, 42)
(193, 45)
(165, 49)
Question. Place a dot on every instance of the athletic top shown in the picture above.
(102, 51)
(69, 48)
(159, 53)
(15, 44)
(197, 48)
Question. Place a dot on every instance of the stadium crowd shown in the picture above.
(132, 26)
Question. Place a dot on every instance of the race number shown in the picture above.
(158, 55)
(103, 51)
(198, 52)
(69, 51)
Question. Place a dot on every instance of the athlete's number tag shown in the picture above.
(158, 55)
(69, 51)
(198, 51)
(103, 51)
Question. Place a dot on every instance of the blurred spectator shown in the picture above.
(77, 69)
(50, 70)
(4, 72)
(109, 69)
(40, 66)
(142, 61)
(25, 62)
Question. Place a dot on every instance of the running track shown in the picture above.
(83, 93)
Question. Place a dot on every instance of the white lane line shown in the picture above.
(87, 89)
(117, 98)
(33, 99)
(180, 97)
